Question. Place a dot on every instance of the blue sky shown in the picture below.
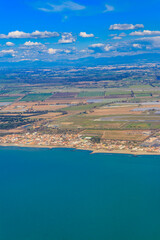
(70, 30)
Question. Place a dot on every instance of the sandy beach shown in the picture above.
(93, 151)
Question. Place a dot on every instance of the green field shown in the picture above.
(143, 94)
(91, 94)
(36, 97)
(145, 86)
(143, 125)
(8, 99)
(117, 93)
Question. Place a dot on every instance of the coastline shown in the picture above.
(93, 151)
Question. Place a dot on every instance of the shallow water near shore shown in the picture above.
(67, 194)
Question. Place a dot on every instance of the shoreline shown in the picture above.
(93, 151)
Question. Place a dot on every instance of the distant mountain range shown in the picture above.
(90, 61)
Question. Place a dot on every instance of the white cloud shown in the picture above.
(67, 38)
(36, 34)
(67, 51)
(45, 34)
(122, 34)
(97, 45)
(85, 35)
(145, 33)
(100, 47)
(8, 52)
(117, 37)
(65, 6)
(9, 44)
(32, 49)
(113, 35)
(55, 50)
(153, 41)
(29, 43)
(17, 34)
(125, 26)
(137, 45)
(109, 8)
(107, 48)
(86, 51)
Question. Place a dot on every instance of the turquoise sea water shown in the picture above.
(65, 194)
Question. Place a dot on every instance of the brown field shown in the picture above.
(48, 116)
(128, 135)
(65, 101)
(150, 106)
(16, 130)
(66, 123)
(111, 125)
(92, 133)
(114, 111)
(34, 106)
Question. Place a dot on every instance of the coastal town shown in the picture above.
(79, 142)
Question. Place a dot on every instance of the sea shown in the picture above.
(67, 194)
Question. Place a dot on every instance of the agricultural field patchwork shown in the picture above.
(91, 94)
(36, 97)
(128, 135)
(111, 103)
(8, 98)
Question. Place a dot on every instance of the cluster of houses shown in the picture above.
(78, 141)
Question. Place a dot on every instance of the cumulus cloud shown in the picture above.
(45, 34)
(155, 42)
(55, 51)
(145, 33)
(15, 34)
(33, 49)
(36, 34)
(97, 48)
(122, 34)
(100, 47)
(125, 26)
(64, 6)
(85, 35)
(67, 38)
(137, 45)
(107, 48)
(9, 44)
(29, 43)
(7, 52)
(117, 37)
(113, 35)
(150, 42)
(86, 51)
(109, 8)
(95, 45)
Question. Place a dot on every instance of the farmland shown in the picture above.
(61, 95)
(91, 94)
(35, 97)
(105, 106)
(8, 98)
(128, 135)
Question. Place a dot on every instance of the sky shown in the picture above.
(58, 30)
